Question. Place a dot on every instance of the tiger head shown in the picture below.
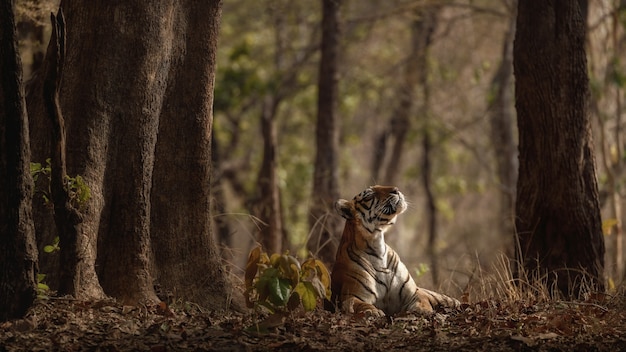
(375, 208)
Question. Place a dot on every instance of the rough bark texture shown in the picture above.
(325, 227)
(137, 97)
(558, 218)
(187, 260)
(18, 253)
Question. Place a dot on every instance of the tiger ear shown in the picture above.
(345, 209)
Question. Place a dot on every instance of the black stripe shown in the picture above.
(393, 257)
(364, 286)
(367, 267)
(406, 280)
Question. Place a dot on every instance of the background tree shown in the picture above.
(138, 130)
(372, 71)
(558, 216)
(18, 253)
(502, 121)
(606, 43)
(263, 75)
(465, 54)
(422, 33)
(325, 227)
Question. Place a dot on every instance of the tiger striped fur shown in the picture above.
(368, 277)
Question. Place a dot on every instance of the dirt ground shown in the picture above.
(59, 324)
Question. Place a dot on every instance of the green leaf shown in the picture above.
(49, 248)
(262, 285)
(280, 289)
(35, 168)
(316, 272)
(308, 294)
(41, 277)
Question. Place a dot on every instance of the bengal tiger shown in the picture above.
(368, 277)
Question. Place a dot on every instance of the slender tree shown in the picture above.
(422, 33)
(18, 253)
(502, 123)
(137, 96)
(267, 203)
(325, 228)
(557, 212)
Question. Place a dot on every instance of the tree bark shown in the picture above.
(422, 33)
(221, 227)
(267, 203)
(409, 96)
(326, 228)
(558, 217)
(502, 121)
(137, 97)
(18, 252)
(66, 217)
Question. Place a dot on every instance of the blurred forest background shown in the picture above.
(424, 102)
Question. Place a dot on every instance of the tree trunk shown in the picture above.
(220, 223)
(18, 252)
(66, 217)
(502, 120)
(558, 217)
(326, 228)
(423, 30)
(267, 203)
(138, 110)
(409, 96)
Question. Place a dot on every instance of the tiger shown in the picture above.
(368, 277)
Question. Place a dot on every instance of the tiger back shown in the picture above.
(368, 276)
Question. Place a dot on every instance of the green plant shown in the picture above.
(51, 248)
(78, 190)
(421, 269)
(280, 282)
(42, 288)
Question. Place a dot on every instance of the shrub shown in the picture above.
(279, 282)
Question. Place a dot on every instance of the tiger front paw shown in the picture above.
(357, 307)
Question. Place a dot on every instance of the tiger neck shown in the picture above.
(371, 243)
(376, 242)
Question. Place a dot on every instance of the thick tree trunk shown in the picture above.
(558, 217)
(187, 260)
(137, 99)
(18, 253)
(326, 228)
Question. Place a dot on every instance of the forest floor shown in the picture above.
(59, 324)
